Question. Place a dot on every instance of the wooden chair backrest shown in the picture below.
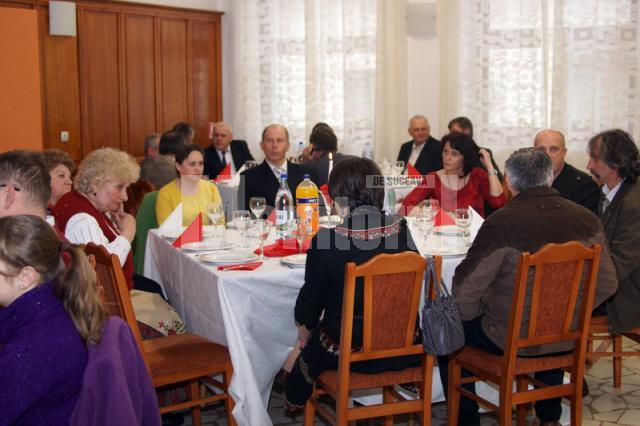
(392, 284)
(113, 286)
(437, 264)
(135, 193)
(553, 280)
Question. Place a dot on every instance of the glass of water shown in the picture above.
(241, 220)
(463, 221)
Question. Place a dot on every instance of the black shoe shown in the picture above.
(585, 388)
(291, 410)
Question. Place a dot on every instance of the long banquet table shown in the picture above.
(251, 312)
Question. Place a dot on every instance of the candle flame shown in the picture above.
(331, 156)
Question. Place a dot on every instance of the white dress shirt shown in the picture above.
(415, 153)
(225, 156)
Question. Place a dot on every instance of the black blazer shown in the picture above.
(321, 166)
(430, 158)
(577, 186)
(261, 182)
(239, 153)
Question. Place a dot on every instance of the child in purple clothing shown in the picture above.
(51, 313)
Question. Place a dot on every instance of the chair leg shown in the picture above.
(194, 393)
(426, 389)
(521, 409)
(617, 361)
(453, 400)
(576, 405)
(387, 398)
(505, 409)
(310, 409)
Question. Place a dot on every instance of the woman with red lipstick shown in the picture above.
(461, 183)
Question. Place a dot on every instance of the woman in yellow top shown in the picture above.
(189, 189)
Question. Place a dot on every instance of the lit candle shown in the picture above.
(330, 164)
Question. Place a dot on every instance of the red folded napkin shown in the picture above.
(325, 192)
(412, 171)
(442, 218)
(225, 174)
(272, 217)
(240, 266)
(283, 248)
(192, 234)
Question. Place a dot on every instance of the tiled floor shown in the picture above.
(603, 407)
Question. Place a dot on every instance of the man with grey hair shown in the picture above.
(25, 184)
(423, 152)
(224, 150)
(484, 281)
(571, 183)
(150, 154)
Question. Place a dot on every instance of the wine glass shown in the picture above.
(398, 167)
(463, 221)
(241, 219)
(257, 206)
(301, 230)
(215, 213)
(260, 228)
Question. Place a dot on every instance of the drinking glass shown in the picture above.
(301, 230)
(398, 167)
(260, 228)
(463, 221)
(241, 219)
(257, 206)
(215, 213)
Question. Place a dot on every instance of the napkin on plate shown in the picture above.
(225, 174)
(442, 218)
(283, 248)
(412, 171)
(192, 234)
(173, 222)
(240, 266)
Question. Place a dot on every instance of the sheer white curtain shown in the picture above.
(516, 66)
(300, 62)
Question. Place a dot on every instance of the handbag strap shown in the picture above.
(441, 289)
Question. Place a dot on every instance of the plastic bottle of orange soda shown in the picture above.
(307, 203)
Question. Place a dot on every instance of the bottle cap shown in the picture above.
(306, 175)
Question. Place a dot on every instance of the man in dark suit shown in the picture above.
(225, 150)
(571, 183)
(323, 142)
(263, 180)
(423, 152)
(615, 163)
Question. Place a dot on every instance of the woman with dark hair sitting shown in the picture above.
(51, 313)
(461, 183)
(188, 188)
(364, 233)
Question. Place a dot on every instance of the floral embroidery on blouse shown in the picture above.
(371, 233)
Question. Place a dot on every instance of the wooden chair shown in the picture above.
(599, 331)
(174, 359)
(392, 288)
(558, 272)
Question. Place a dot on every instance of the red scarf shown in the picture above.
(73, 203)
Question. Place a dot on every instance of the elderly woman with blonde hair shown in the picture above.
(93, 212)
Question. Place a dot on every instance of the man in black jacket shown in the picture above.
(263, 180)
(225, 151)
(571, 183)
(615, 162)
(423, 152)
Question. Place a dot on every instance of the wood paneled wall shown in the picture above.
(132, 70)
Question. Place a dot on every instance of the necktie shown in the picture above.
(224, 158)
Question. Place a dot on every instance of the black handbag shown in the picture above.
(442, 331)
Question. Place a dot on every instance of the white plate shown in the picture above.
(446, 251)
(335, 220)
(207, 231)
(448, 230)
(207, 245)
(295, 260)
(228, 257)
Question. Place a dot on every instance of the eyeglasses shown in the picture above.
(15, 188)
